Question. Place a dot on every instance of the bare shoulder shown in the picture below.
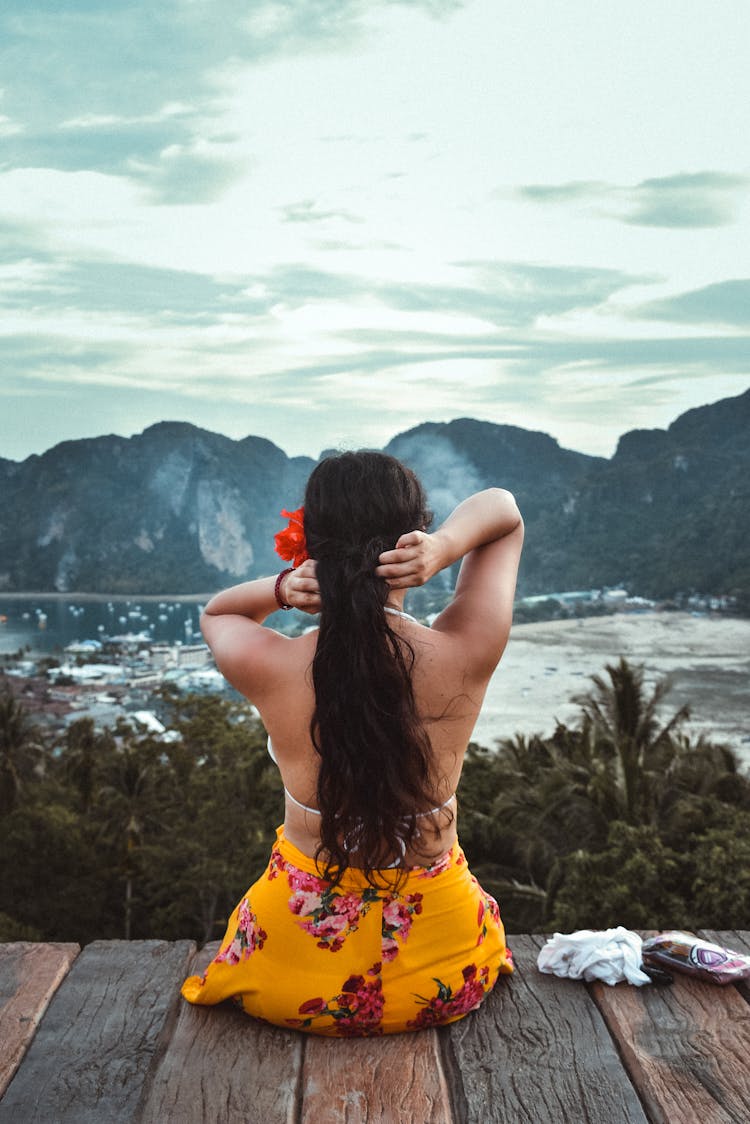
(254, 659)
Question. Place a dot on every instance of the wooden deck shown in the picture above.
(101, 1036)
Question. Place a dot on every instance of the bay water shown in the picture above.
(545, 666)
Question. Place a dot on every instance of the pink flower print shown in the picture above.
(487, 905)
(252, 936)
(389, 949)
(329, 926)
(303, 902)
(328, 915)
(395, 914)
(230, 955)
(359, 1006)
(349, 905)
(438, 867)
(301, 880)
(276, 864)
(356, 1011)
(244, 915)
(352, 985)
(398, 912)
(248, 937)
(448, 1005)
(312, 1007)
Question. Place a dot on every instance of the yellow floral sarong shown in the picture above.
(352, 960)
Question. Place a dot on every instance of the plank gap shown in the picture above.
(299, 1083)
(453, 1077)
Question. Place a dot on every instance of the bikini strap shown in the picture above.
(400, 613)
(304, 807)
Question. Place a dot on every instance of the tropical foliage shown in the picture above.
(620, 818)
(117, 834)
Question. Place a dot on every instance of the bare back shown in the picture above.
(448, 700)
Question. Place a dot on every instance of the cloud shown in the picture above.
(725, 303)
(307, 210)
(187, 174)
(700, 353)
(517, 293)
(163, 152)
(82, 62)
(692, 200)
(9, 128)
(485, 297)
(501, 294)
(563, 192)
(698, 200)
(297, 26)
(172, 151)
(103, 286)
(115, 89)
(167, 112)
(20, 240)
(244, 326)
(32, 362)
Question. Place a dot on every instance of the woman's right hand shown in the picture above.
(415, 559)
(300, 588)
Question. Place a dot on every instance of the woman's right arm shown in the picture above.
(247, 654)
(486, 531)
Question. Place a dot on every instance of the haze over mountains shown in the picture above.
(178, 509)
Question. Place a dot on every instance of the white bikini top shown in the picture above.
(317, 811)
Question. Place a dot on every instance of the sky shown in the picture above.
(325, 221)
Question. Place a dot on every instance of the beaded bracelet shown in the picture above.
(277, 588)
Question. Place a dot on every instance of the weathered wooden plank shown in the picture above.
(377, 1080)
(221, 1066)
(92, 1050)
(685, 1046)
(29, 975)
(537, 1050)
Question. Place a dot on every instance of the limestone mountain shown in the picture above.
(178, 509)
(668, 513)
(175, 509)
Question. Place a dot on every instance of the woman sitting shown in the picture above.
(367, 919)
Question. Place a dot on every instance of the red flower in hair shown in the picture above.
(290, 543)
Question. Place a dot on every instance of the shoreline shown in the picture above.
(36, 595)
(547, 664)
(198, 598)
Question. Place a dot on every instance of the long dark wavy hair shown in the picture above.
(374, 775)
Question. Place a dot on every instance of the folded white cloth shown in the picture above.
(610, 955)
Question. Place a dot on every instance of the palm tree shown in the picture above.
(85, 753)
(631, 749)
(126, 795)
(19, 750)
(541, 804)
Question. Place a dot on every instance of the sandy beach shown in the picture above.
(545, 664)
